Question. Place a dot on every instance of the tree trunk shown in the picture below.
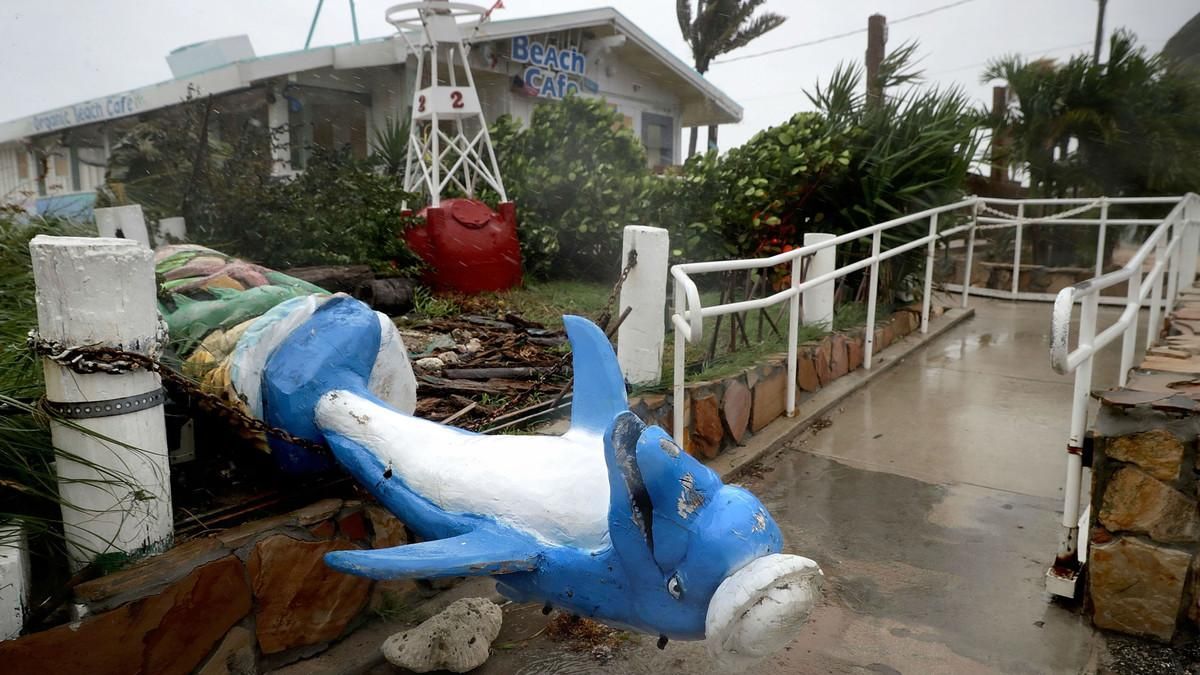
(692, 141)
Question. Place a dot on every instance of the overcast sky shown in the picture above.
(57, 52)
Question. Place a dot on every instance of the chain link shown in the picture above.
(87, 359)
(1013, 220)
(97, 358)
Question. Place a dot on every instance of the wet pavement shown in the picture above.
(931, 501)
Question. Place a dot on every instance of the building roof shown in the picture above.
(703, 103)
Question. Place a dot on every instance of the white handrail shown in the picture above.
(1174, 239)
(1168, 241)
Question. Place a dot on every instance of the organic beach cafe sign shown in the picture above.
(550, 68)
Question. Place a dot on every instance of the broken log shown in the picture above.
(495, 387)
(336, 278)
(390, 296)
(518, 373)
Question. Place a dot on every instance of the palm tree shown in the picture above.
(718, 27)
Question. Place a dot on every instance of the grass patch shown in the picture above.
(547, 301)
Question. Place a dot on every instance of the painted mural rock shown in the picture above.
(226, 316)
(611, 520)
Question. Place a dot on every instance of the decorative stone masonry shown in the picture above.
(242, 600)
(1145, 530)
(727, 412)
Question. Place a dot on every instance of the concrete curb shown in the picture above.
(734, 462)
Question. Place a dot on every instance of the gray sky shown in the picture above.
(57, 52)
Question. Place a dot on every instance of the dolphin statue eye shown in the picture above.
(675, 586)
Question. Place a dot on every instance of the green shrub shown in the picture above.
(576, 176)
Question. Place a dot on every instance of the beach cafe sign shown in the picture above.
(96, 110)
(550, 69)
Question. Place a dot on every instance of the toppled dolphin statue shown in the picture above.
(611, 520)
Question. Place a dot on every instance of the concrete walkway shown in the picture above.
(931, 498)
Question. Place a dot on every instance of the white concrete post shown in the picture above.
(818, 300)
(278, 122)
(14, 580)
(123, 222)
(170, 229)
(640, 338)
(116, 498)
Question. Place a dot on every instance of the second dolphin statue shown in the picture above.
(610, 520)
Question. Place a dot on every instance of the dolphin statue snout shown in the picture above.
(611, 520)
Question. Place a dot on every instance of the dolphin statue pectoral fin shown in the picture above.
(599, 386)
(476, 553)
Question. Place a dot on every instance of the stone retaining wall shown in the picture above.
(1145, 529)
(724, 413)
(244, 600)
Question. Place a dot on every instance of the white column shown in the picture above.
(818, 300)
(640, 338)
(123, 222)
(281, 135)
(170, 229)
(1190, 244)
(14, 580)
(116, 495)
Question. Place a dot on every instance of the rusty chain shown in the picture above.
(87, 359)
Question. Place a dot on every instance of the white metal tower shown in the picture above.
(448, 142)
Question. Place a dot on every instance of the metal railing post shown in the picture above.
(1153, 325)
(1173, 267)
(1016, 273)
(1100, 236)
(679, 399)
(793, 336)
(872, 294)
(927, 297)
(1068, 543)
(966, 289)
(1133, 299)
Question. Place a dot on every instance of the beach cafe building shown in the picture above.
(337, 96)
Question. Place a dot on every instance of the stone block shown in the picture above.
(735, 409)
(770, 399)
(353, 526)
(1136, 502)
(458, 639)
(1158, 452)
(387, 530)
(806, 371)
(839, 360)
(326, 529)
(149, 576)
(822, 359)
(854, 352)
(164, 634)
(235, 655)
(317, 511)
(707, 430)
(1137, 587)
(884, 335)
(299, 599)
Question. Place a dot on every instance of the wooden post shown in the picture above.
(999, 161)
(876, 41)
(116, 495)
(640, 337)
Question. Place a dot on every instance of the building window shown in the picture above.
(331, 120)
(658, 135)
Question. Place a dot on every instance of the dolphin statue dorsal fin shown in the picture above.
(598, 380)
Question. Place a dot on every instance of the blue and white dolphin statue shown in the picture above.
(611, 520)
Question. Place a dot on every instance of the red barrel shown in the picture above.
(468, 247)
